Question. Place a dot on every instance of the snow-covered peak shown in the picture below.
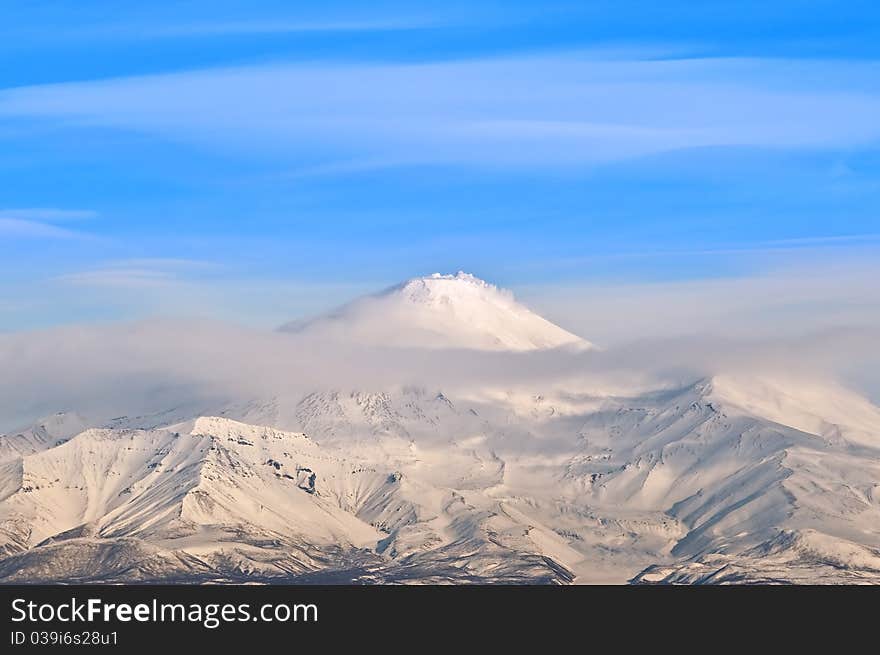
(824, 409)
(442, 311)
(440, 288)
(43, 434)
(224, 428)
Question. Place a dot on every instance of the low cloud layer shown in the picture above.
(810, 321)
(157, 365)
(820, 291)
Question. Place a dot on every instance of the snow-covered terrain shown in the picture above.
(51, 431)
(724, 478)
(442, 311)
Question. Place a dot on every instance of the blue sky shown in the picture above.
(264, 160)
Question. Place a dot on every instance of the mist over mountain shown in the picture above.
(437, 431)
(551, 293)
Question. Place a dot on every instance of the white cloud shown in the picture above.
(37, 222)
(141, 288)
(120, 278)
(275, 27)
(138, 273)
(811, 294)
(47, 214)
(806, 320)
(15, 227)
(565, 109)
(140, 367)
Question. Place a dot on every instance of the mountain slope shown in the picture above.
(43, 434)
(690, 484)
(739, 483)
(441, 311)
(218, 500)
(507, 478)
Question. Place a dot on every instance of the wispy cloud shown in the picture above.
(210, 21)
(780, 250)
(14, 227)
(120, 278)
(566, 109)
(47, 214)
(811, 294)
(145, 287)
(37, 223)
(255, 27)
(137, 273)
(164, 263)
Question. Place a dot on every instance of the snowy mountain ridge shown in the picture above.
(730, 478)
(674, 486)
